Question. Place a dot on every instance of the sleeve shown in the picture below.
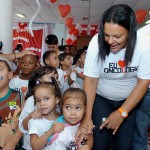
(144, 65)
(33, 127)
(92, 65)
(27, 109)
(12, 83)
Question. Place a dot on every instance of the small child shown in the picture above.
(65, 65)
(73, 106)
(27, 64)
(80, 58)
(10, 103)
(50, 58)
(47, 96)
(42, 74)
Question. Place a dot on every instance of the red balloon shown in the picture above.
(53, 1)
(64, 10)
(72, 29)
(74, 43)
(75, 32)
(140, 15)
(69, 22)
(69, 41)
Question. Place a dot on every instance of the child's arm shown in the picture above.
(13, 141)
(38, 143)
(80, 75)
(34, 114)
(70, 81)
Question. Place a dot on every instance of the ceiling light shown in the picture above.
(21, 15)
(147, 22)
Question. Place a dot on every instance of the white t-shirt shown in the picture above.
(19, 85)
(60, 78)
(79, 80)
(116, 81)
(40, 126)
(66, 85)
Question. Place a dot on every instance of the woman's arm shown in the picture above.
(14, 56)
(90, 86)
(115, 119)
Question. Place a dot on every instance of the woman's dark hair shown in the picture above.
(124, 16)
(37, 74)
(46, 55)
(52, 85)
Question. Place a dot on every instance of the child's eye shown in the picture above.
(46, 99)
(38, 100)
(78, 108)
(68, 107)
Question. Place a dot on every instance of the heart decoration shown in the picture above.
(22, 25)
(23, 89)
(140, 15)
(121, 63)
(53, 1)
(64, 10)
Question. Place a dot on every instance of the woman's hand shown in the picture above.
(84, 129)
(24, 52)
(113, 121)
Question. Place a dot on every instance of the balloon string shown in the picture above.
(30, 23)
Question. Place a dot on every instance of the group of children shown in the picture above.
(42, 106)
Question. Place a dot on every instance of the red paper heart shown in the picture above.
(121, 63)
(69, 22)
(53, 1)
(23, 89)
(64, 10)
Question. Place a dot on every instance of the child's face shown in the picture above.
(46, 101)
(53, 60)
(5, 75)
(52, 47)
(82, 58)
(28, 64)
(67, 61)
(73, 110)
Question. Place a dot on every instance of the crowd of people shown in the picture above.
(95, 98)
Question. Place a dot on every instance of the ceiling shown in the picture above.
(91, 8)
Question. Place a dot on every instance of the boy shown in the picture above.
(52, 43)
(10, 103)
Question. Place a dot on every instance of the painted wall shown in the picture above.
(60, 32)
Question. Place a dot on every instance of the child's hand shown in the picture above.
(35, 114)
(68, 72)
(57, 127)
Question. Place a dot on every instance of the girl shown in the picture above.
(65, 65)
(79, 70)
(47, 96)
(29, 111)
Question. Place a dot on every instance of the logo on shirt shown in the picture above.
(120, 67)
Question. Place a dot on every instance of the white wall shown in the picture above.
(60, 32)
